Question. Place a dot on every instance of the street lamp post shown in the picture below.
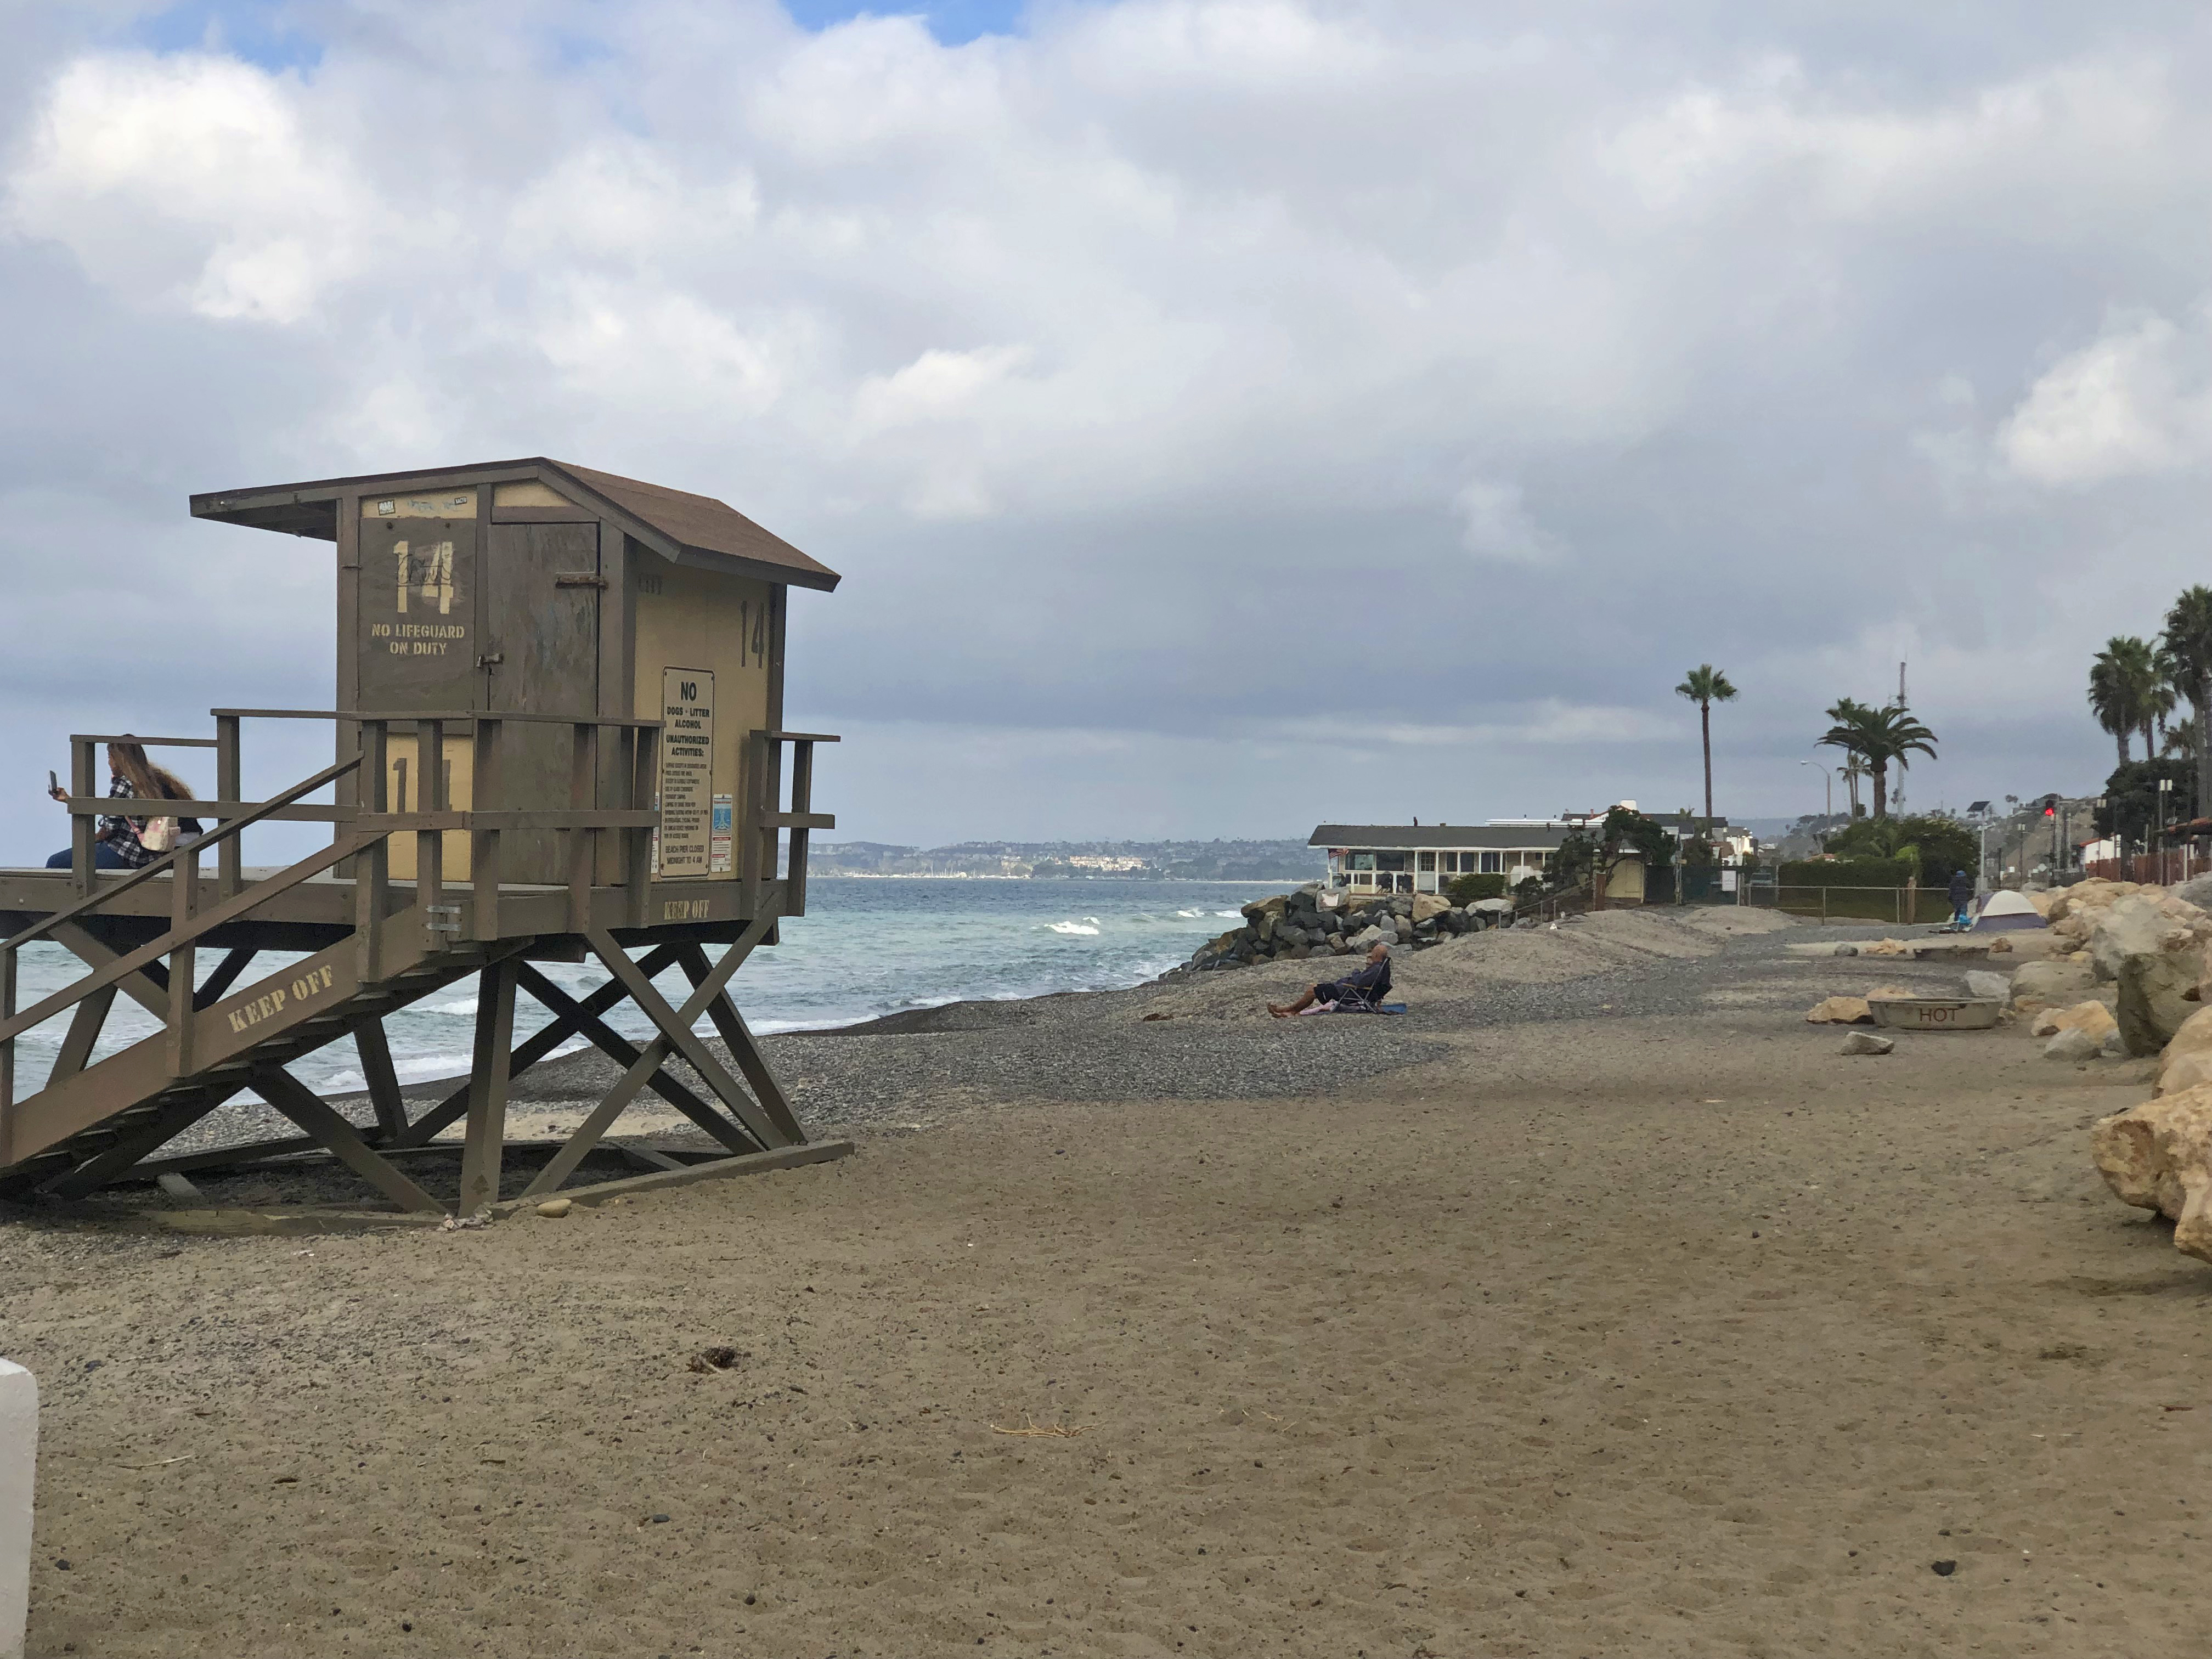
(2165, 788)
(1828, 779)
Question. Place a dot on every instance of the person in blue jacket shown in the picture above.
(1962, 897)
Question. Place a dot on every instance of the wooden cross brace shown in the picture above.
(749, 1118)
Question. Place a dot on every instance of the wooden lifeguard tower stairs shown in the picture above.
(547, 835)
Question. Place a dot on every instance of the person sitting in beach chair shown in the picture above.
(1364, 989)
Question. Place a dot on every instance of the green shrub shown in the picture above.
(1465, 890)
(1937, 845)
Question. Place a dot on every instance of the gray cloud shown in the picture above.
(1227, 415)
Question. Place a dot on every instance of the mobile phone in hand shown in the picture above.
(54, 786)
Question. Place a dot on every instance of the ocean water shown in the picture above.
(866, 946)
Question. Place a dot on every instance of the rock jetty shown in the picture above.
(1309, 922)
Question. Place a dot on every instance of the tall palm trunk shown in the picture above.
(1880, 772)
(2203, 745)
(2121, 737)
(2149, 753)
(1705, 723)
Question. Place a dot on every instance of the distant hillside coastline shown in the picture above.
(1076, 861)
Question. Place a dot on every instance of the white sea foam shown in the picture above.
(1228, 913)
(415, 1068)
(1087, 928)
(1190, 913)
(458, 1006)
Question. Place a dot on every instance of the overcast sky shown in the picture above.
(1227, 415)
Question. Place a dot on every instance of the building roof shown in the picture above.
(1496, 837)
(688, 529)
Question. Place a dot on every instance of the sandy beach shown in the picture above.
(1597, 1306)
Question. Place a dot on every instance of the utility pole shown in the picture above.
(1899, 803)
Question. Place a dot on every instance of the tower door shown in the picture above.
(540, 656)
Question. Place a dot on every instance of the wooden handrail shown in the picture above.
(124, 966)
(100, 896)
(412, 716)
(144, 742)
(191, 806)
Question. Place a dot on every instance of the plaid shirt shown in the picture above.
(121, 835)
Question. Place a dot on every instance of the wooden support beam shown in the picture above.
(676, 1025)
(141, 988)
(487, 790)
(226, 974)
(122, 1159)
(313, 1114)
(372, 870)
(613, 1044)
(83, 1034)
(744, 1047)
(182, 960)
(447, 1111)
(380, 1079)
(118, 968)
(488, 1078)
(230, 869)
(782, 1157)
(219, 1157)
(577, 1145)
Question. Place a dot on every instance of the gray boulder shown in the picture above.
(1866, 1043)
(2131, 947)
(1988, 987)
(2130, 927)
(2154, 1000)
(2051, 985)
(1368, 938)
(2197, 892)
(2073, 1044)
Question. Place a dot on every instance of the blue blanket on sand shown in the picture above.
(1356, 1007)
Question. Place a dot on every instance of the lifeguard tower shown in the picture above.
(559, 737)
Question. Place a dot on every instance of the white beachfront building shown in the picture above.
(1399, 858)
(1424, 858)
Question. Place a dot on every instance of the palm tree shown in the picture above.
(2188, 642)
(1901, 737)
(1706, 686)
(1848, 715)
(2163, 694)
(1878, 736)
(1853, 770)
(2124, 679)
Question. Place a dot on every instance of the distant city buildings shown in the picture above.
(1185, 861)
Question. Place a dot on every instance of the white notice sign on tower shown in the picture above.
(687, 771)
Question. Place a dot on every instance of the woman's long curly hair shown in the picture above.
(147, 780)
